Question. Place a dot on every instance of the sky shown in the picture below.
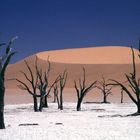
(43, 25)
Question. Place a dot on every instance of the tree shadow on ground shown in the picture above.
(119, 115)
(96, 103)
(98, 110)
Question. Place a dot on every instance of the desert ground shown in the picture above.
(95, 121)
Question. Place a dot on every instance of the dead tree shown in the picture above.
(105, 90)
(48, 89)
(83, 89)
(39, 85)
(44, 94)
(44, 87)
(31, 88)
(132, 89)
(62, 83)
(58, 92)
(42, 82)
(4, 61)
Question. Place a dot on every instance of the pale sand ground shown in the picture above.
(94, 122)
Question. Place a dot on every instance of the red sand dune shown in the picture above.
(96, 55)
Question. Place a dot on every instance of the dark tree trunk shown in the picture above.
(138, 108)
(45, 102)
(2, 125)
(58, 101)
(61, 101)
(79, 104)
(105, 99)
(2, 91)
(41, 104)
(61, 106)
(121, 97)
(35, 103)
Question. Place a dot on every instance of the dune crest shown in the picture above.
(93, 55)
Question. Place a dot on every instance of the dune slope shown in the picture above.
(111, 65)
(93, 55)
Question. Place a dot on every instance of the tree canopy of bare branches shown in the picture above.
(38, 85)
(105, 89)
(31, 88)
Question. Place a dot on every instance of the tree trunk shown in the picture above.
(61, 106)
(138, 108)
(2, 125)
(61, 101)
(41, 104)
(45, 102)
(2, 91)
(35, 103)
(105, 99)
(79, 104)
(121, 97)
(58, 101)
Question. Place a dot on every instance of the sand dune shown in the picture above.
(113, 62)
(95, 55)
